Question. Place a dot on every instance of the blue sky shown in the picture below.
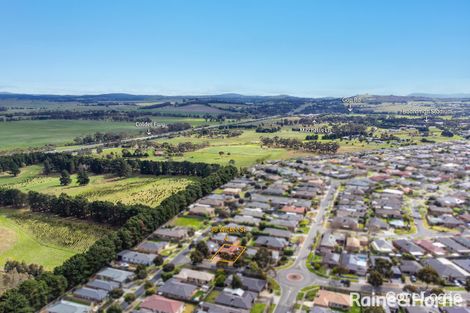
(308, 48)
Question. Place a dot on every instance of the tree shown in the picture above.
(123, 168)
(428, 275)
(236, 282)
(114, 308)
(169, 267)
(14, 301)
(384, 267)
(263, 257)
(140, 271)
(201, 246)
(375, 279)
(65, 179)
(82, 177)
(158, 260)
(14, 169)
(47, 167)
(220, 278)
(196, 257)
(116, 293)
(129, 297)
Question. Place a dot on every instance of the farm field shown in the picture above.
(148, 190)
(29, 134)
(38, 133)
(44, 239)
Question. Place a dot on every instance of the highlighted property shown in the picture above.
(228, 253)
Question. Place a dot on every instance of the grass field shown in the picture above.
(30, 134)
(187, 221)
(25, 134)
(149, 190)
(41, 239)
(245, 149)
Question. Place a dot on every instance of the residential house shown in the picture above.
(148, 246)
(237, 298)
(91, 294)
(331, 259)
(175, 289)
(68, 307)
(354, 263)
(344, 223)
(256, 212)
(376, 224)
(410, 267)
(446, 269)
(159, 304)
(206, 307)
(275, 232)
(202, 210)
(246, 219)
(353, 244)
(194, 277)
(172, 234)
(102, 284)
(135, 257)
(382, 246)
(430, 247)
(289, 224)
(232, 191)
(249, 283)
(112, 274)
(453, 246)
(409, 247)
(333, 300)
(271, 242)
(294, 209)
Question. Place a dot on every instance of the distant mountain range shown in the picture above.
(227, 97)
(440, 96)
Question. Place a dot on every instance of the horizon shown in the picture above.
(413, 94)
(306, 49)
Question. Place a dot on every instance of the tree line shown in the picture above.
(58, 162)
(33, 294)
(296, 144)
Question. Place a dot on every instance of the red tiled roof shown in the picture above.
(161, 304)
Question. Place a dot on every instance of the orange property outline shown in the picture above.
(226, 246)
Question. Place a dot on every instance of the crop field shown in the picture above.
(44, 239)
(148, 190)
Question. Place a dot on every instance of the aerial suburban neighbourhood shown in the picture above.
(234, 156)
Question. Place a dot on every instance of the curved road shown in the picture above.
(289, 288)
